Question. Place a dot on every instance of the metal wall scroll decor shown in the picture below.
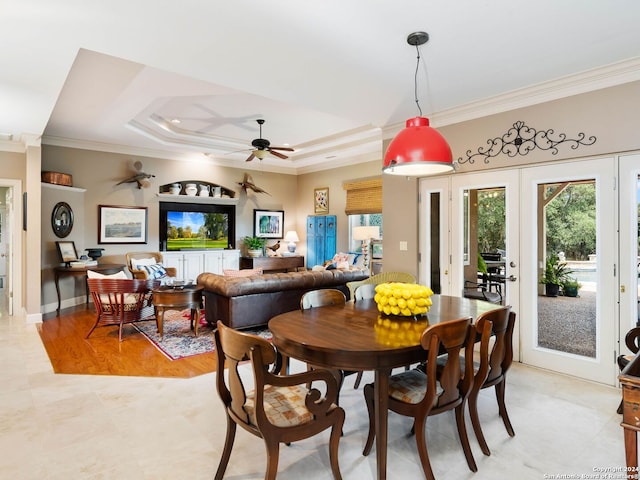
(521, 139)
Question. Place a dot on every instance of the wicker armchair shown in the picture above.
(381, 278)
(143, 274)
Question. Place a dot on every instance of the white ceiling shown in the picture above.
(331, 78)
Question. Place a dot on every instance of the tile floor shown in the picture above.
(71, 427)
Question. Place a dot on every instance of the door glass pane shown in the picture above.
(567, 267)
(485, 240)
(434, 241)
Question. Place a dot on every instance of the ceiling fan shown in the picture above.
(262, 146)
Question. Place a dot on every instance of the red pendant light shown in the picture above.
(418, 150)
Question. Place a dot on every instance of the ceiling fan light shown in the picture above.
(418, 150)
(260, 154)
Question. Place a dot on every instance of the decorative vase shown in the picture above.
(175, 189)
(191, 189)
(204, 191)
(217, 192)
(254, 253)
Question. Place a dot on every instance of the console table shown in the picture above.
(269, 264)
(105, 268)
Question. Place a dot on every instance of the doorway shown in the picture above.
(10, 247)
(570, 211)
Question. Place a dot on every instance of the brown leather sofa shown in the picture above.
(244, 302)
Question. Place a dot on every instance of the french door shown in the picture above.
(579, 336)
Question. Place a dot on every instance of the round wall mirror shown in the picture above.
(62, 219)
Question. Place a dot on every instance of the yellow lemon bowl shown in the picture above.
(399, 331)
(403, 299)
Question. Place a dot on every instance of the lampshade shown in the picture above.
(291, 236)
(418, 150)
(366, 233)
(260, 154)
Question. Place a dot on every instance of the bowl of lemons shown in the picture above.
(403, 299)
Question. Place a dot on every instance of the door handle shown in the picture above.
(512, 278)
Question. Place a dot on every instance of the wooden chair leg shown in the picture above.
(475, 422)
(356, 384)
(273, 453)
(226, 451)
(368, 397)
(334, 441)
(464, 438)
(419, 427)
(502, 408)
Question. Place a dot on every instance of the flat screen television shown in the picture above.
(196, 226)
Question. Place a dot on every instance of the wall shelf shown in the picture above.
(62, 187)
(167, 197)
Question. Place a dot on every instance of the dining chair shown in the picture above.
(322, 298)
(495, 329)
(279, 408)
(632, 341)
(384, 277)
(364, 292)
(419, 395)
(119, 301)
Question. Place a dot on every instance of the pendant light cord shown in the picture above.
(415, 80)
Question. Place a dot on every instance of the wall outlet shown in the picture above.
(403, 246)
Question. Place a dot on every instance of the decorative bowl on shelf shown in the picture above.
(403, 299)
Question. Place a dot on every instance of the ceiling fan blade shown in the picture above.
(277, 154)
(286, 149)
(251, 157)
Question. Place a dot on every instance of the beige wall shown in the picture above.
(611, 115)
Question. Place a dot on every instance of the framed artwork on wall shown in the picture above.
(321, 200)
(268, 223)
(118, 224)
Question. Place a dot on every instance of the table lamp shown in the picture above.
(365, 234)
(292, 238)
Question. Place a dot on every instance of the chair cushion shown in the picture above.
(409, 386)
(120, 274)
(284, 406)
(248, 272)
(136, 263)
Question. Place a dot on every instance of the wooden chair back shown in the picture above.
(364, 292)
(309, 413)
(445, 390)
(322, 298)
(384, 277)
(496, 350)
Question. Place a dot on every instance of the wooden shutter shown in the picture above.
(363, 196)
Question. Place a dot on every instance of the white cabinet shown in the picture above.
(191, 264)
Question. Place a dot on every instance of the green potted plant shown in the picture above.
(570, 287)
(254, 245)
(555, 274)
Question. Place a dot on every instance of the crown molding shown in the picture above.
(612, 75)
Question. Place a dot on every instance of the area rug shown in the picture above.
(179, 340)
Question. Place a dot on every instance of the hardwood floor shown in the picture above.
(103, 354)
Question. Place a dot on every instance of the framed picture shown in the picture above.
(118, 224)
(321, 200)
(67, 251)
(268, 223)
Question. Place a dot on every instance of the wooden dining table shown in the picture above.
(355, 336)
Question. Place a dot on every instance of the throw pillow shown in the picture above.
(248, 272)
(120, 274)
(136, 263)
(154, 271)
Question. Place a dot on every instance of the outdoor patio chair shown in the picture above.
(279, 409)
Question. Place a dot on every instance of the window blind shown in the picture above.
(363, 196)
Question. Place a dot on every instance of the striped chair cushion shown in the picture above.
(284, 406)
(409, 386)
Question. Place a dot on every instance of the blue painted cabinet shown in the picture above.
(321, 239)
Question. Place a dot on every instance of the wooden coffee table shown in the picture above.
(178, 298)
